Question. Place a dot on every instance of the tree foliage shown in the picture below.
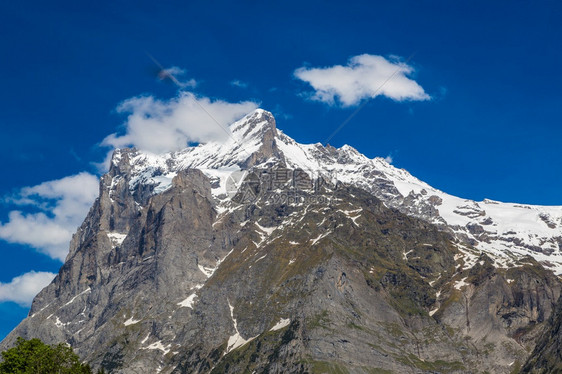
(34, 356)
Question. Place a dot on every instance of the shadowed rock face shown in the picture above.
(182, 280)
(547, 355)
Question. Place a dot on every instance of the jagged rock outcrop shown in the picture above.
(320, 270)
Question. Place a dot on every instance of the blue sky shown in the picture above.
(485, 125)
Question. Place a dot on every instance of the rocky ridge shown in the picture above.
(504, 231)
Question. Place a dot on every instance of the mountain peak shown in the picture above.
(255, 136)
(257, 124)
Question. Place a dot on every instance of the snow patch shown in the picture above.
(42, 309)
(60, 324)
(284, 322)
(405, 254)
(158, 345)
(210, 271)
(188, 303)
(131, 321)
(77, 296)
(267, 230)
(459, 284)
(207, 271)
(236, 340)
(116, 238)
(321, 236)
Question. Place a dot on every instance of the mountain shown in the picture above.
(262, 254)
(503, 231)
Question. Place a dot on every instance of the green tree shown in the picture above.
(35, 357)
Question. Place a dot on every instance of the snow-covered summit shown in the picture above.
(505, 231)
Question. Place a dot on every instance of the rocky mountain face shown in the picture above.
(261, 254)
(547, 355)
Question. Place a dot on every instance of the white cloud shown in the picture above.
(238, 83)
(60, 207)
(161, 126)
(103, 166)
(364, 77)
(389, 159)
(22, 289)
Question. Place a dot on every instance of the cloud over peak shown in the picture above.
(161, 126)
(364, 77)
